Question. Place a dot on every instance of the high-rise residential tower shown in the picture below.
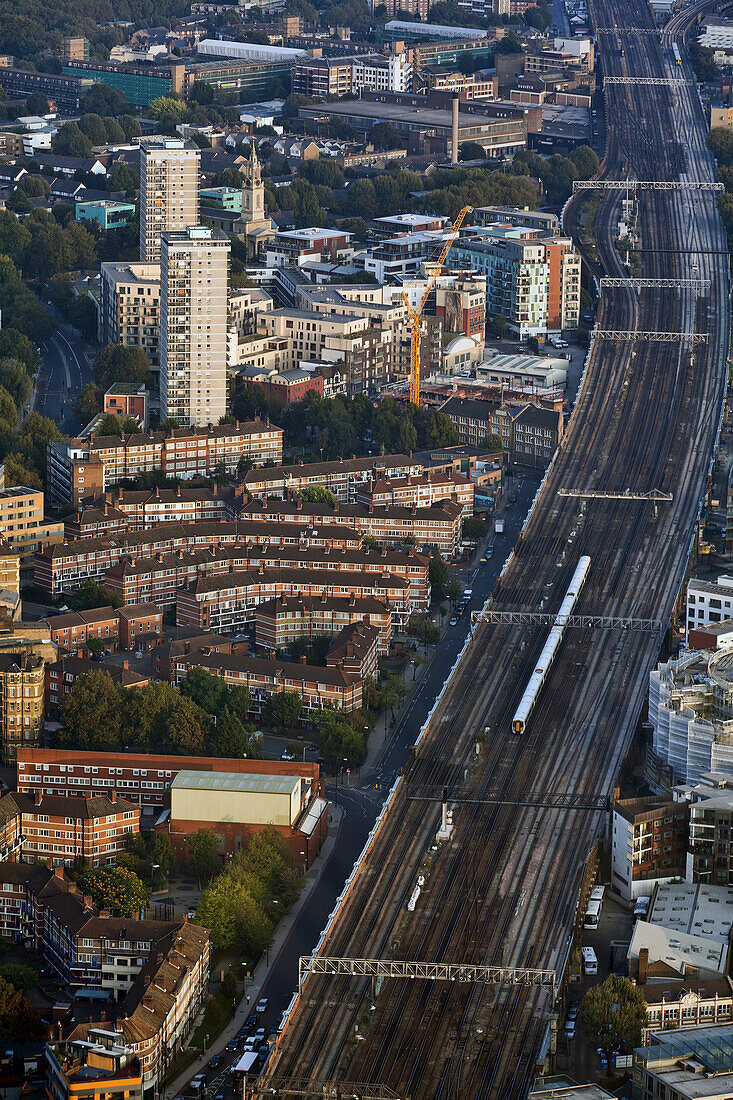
(194, 279)
(169, 191)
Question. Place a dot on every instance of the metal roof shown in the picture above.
(235, 781)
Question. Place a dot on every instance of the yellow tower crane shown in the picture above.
(416, 314)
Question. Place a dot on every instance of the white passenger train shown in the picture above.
(538, 677)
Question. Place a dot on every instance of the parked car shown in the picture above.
(262, 1004)
(288, 755)
(570, 1029)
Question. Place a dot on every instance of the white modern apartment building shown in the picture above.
(389, 73)
(169, 191)
(193, 331)
(709, 601)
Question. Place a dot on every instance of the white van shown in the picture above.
(642, 906)
(590, 961)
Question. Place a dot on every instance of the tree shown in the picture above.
(453, 590)
(474, 527)
(18, 472)
(94, 128)
(36, 104)
(439, 575)
(90, 594)
(35, 433)
(89, 402)
(585, 160)
(100, 99)
(166, 106)
(317, 494)
(323, 172)
(17, 1018)
(14, 345)
(239, 701)
(202, 93)
(19, 975)
(163, 853)
(123, 178)
(428, 632)
(338, 739)
(202, 847)
(229, 737)
(70, 141)
(130, 126)
(492, 442)
(614, 1015)
(114, 130)
(206, 690)
(8, 414)
(116, 889)
(284, 707)
(384, 137)
(94, 713)
(393, 692)
(235, 918)
(117, 363)
(471, 150)
(720, 143)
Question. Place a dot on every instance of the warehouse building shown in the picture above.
(501, 131)
(236, 806)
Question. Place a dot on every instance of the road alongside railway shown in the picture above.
(503, 890)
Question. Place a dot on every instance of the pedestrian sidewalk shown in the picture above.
(264, 968)
(384, 733)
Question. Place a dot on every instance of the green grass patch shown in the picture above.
(217, 1014)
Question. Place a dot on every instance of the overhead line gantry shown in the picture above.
(424, 971)
(660, 284)
(655, 337)
(650, 81)
(583, 622)
(646, 185)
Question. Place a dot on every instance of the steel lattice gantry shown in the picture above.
(657, 337)
(654, 496)
(644, 185)
(650, 81)
(661, 284)
(633, 31)
(584, 622)
(332, 1090)
(561, 800)
(423, 971)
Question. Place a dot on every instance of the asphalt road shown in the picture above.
(362, 799)
(64, 370)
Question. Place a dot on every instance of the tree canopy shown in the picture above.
(614, 1015)
(116, 889)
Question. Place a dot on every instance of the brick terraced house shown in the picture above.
(48, 826)
(82, 469)
(227, 603)
(291, 618)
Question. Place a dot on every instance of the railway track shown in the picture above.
(504, 888)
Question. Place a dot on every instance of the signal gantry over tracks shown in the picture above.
(503, 889)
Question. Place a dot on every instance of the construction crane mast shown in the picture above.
(416, 314)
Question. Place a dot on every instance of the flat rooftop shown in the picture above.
(419, 118)
(695, 909)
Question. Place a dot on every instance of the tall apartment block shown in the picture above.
(169, 191)
(194, 279)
